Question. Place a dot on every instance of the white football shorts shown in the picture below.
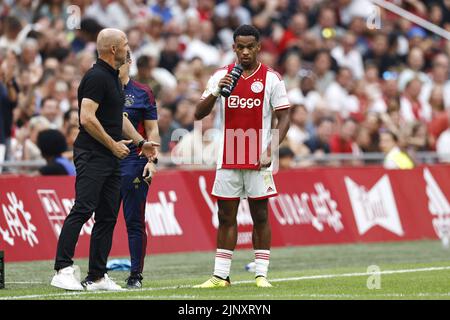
(234, 184)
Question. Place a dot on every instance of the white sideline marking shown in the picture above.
(343, 275)
(323, 276)
(24, 282)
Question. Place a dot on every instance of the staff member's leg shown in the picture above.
(102, 233)
(105, 221)
(88, 186)
(134, 192)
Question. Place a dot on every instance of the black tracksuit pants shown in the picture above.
(97, 189)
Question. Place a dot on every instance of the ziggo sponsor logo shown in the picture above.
(236, 102)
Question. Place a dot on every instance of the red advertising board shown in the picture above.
(314, 206)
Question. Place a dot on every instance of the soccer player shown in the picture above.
(136, 172)
(244, 166)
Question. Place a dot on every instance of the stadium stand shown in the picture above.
(334, 66)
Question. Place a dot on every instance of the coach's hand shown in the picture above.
(149, 150)
(120, 149)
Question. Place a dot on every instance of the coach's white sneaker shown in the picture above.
(66, 279)
(104, 283)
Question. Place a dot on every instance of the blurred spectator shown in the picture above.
(320, 142)
(297, 133)
(292, 35)
(153, 37)
(438, 125)
(417, 139)
(373, 89)
(71, 134)
(52, 144)
(184, 114)
(306, 93)
(346, 55)
(200, 146)
(373, 124)
(8, 96)
(24, 145)
(166, 127)
(61, 95)
(443, 143)
(309, 47)
(292, 66)
(11, 40)
(205, 9)
(161, 9)
(394, 157)
(170, 55)
(86, 35)
(436, 100)
(439, 78)
(53, 10)
(51, 111)
(202, 45)
(363, 139)
(344, 141)
(286, 158)
(234, 10)
(380, 55)
(338, 94)
(183, 10)
(145, 66)
(70, 118)
(112, 14)
(350, 9)
(390, 95)
(326, 26)
(24, 10)
(414, 68)
(323, 71)
(411, 107)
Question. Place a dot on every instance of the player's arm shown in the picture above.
(281, 111)
(205, 105)
(148, 148)
(281, 107)
(130, 132)
(152, 132)
(282, 127)
(91, 124)
(283, 122)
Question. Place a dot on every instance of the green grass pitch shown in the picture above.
(408, 270)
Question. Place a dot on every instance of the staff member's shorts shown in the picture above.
(234, 184)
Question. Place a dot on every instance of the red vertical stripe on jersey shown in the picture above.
(243, 122)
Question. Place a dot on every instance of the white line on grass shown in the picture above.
(24, 282)
(309, 295)
(343, 275)
(313, 277)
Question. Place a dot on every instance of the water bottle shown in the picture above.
(235, 73)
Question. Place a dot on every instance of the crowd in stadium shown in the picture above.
(349, 73)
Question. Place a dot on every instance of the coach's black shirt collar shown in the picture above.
(105, 65)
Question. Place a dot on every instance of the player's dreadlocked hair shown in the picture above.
(246, 30)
